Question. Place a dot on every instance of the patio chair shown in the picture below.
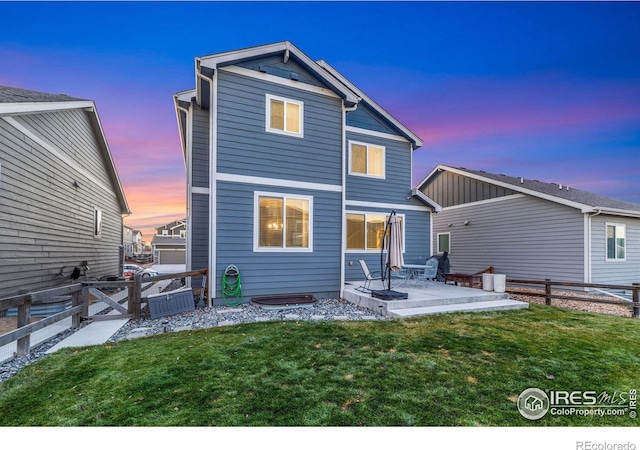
(426, 277)
(369, 277)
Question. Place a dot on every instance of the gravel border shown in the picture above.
(600, 308)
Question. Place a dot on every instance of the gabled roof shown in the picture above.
(16, 101)
(587, 202)
(350, 94)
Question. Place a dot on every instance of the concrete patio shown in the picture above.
(437, 298)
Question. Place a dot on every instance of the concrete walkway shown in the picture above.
(99, 332)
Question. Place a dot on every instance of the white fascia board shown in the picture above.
(185, 96)
(35, 107)
(213, 61)
(437, 169)
(378, 134)
(425, 199)
(581, 206)
(410, 134)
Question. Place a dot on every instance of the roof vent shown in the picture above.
(521, 180)
(560, 186)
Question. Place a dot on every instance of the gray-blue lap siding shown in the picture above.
(245, 148)
(276, 273)
(417, 245)
(396, 186)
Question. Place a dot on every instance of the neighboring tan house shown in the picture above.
(61, 201)
(292, 172)
(169, 243)
(533, 230)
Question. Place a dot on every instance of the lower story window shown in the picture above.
(616, 242)
(444, 242)
(282, 222)
(365, 231)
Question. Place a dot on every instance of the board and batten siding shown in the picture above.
(450, 189)
(276, 273)
(520, 236)
(45, 222)
(245, 148)
(624, 272)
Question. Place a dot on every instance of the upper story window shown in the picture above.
(284, 116)
(283, 222)
(366, 159)
(616, 242)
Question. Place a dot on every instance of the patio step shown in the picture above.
(485, 305)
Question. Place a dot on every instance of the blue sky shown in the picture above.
(542, 90)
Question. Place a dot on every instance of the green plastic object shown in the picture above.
(232, 286)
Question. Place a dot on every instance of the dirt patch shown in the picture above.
(523, 294)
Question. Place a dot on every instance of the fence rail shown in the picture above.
(81, 294)
(549, 295)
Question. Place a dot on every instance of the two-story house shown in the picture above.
(169, 243)
(291, 173)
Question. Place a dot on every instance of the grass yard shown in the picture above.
(447, 370)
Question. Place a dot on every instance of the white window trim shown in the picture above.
(365, 213)
(438, 242)
(267, 117)
(606, 243)
(367, 145)
(256, 223)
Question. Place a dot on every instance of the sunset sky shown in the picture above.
(542, 90)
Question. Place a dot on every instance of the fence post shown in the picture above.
(76, 299)
(24, 319)
(547, 292)
(135, 296)
(636, 301)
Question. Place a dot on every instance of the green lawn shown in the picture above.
(447, 370)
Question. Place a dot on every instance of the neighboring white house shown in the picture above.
(529, 229)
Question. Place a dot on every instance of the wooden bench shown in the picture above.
(471, 280)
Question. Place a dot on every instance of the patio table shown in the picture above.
(413, 270)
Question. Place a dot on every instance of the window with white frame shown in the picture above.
(366, 159)
(616, 242)
(365, 231)
(282, 222)
(284, 116)
(444, 242)
(97, 222)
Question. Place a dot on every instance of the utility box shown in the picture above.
(171, 303)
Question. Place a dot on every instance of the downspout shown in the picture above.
(588, 276)
(343, 256)
(189, 168)
(213, 116)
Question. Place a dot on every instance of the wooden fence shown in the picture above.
(549, 295)
(81, 294)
